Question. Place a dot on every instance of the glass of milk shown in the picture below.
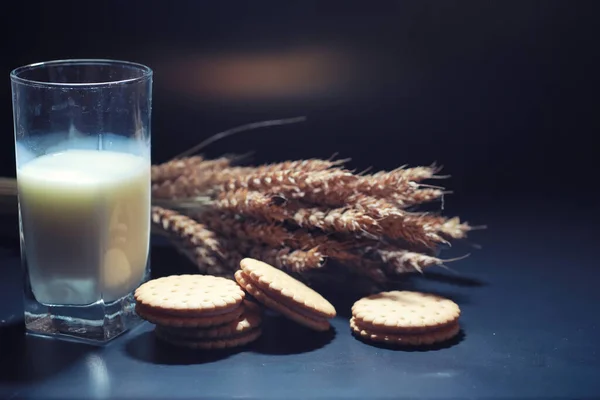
(82, 139)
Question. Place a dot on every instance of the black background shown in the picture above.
(502, 94)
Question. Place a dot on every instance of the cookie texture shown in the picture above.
(404, 312)
(250, 319)
(157, 318)
(277, 284)
(316, 322)
(190, 295)
(210, 344)
(407, 339)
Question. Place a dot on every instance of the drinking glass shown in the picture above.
(82, 143)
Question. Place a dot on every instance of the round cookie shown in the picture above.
(190, 295)
(210, 344)
(152, 316)
(407, 339)
(404, 311)
(316, 323)
(250, 319)
(281, 286)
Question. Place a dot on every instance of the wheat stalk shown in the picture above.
(371, 217)
(191, 233)
(416, 197)
(453, 228)
(188, 229)
(217, 255)
(276, 235)
(192, 177)
(403, 261)
(328, 187)
(175, 168)
(342, 220)
(250, 203)
(308, 165)
(296, 261)
(388, 183)
(197, 256)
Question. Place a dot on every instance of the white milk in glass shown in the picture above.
(86, 223)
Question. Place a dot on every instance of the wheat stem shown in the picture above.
(190, 233)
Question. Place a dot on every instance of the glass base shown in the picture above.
(97, 323)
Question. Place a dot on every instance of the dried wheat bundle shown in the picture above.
(303, 215)
(217, 253)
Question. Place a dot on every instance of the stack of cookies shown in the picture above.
(199, 311)
(282, 293)
(208, 312)
(405, 318)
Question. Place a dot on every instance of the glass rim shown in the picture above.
(145, 72)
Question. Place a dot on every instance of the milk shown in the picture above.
(86, 222)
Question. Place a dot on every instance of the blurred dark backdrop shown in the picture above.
(503, 93)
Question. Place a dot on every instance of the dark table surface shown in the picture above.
(529, 303)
